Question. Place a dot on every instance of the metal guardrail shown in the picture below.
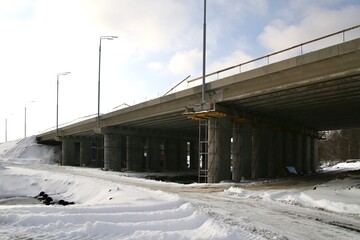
(267, 57)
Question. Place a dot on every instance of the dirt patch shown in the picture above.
(19, 201)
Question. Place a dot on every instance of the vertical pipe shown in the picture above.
(98, 116)
(5, 129)
(25, 123)
(204, 56)
(57, 105)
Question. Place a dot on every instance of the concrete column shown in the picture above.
(170, 154)
(111, 152)
(123, 159)
(134, 153)
(182, 157)
(289, 149)
(255, 153)
(265, 152)
(260, 154)
(219, 135)
(236, 161)
(307, 155)
(153, 154)
(299, 153)
(316, 154)
(245, 150)
(194, 154)
(242, 151)
(279, 153)
(85, 152)
(99, 150)
(271, 161)
(314, 161)
(68, 152)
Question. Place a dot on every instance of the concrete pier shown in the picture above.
(85, 152)
(153, 154)
(171, 153)
(242, 151)
(134, 153)
(307, 155)
(219, 149)
(299, 152)
(182, 157)
(111, 152)
(68, 152)
(194, 154)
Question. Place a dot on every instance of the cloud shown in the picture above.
(186, 62)
(145, 26)
(280, 34)
(156, 66)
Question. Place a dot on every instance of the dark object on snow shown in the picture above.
(40, 194)
(314, 188)
(65, 203)
(291, 170)
(43, 197)
(48, 201)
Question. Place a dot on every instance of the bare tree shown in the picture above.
(340, 145)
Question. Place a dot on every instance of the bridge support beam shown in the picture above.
(219, 149)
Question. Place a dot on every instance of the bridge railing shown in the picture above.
(297, 50)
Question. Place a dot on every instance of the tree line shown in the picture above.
(340, 145)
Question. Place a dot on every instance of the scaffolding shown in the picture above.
(205, 140)
(203, 151)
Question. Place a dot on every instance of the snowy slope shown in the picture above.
(103, 209)
(27, 151)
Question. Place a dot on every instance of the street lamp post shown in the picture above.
(57, 100)
(25, 118)
(5, 129)
(25, 124)
(101, 38)
(204, 58)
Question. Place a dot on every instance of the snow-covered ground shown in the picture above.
(112, 205)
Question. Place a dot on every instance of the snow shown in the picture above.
(103, 209)
(114, 205)
(337, 195)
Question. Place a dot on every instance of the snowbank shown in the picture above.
(341, 194)
(28, 151)
(104, 208)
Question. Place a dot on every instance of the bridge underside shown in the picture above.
(270, 119)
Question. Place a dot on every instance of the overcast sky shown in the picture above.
(159, 43)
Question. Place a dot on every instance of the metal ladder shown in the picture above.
(203, 151)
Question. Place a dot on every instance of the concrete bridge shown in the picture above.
(252, 125)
